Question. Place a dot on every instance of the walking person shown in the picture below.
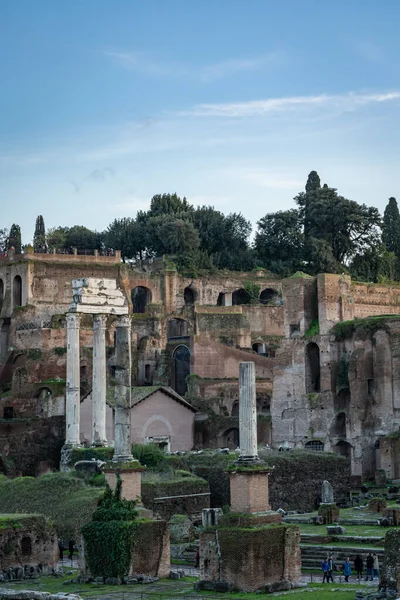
(325, 570)
(375, 566)
(359, 566)
(370, 566)
(330, 568)
(346, 569)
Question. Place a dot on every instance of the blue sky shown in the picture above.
(105, 103)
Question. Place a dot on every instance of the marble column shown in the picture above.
(72, 408)
(122, 435)
(247, 412)
(99, 436)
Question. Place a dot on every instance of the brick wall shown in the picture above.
(28, 540)
(151, 553)
(249, 492)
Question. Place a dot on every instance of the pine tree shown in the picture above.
(39, 237)
(14, 239)
(391, 227)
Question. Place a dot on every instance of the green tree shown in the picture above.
(39, 237)
(391, 227)
(279, 241)
(57, 238)
(127, 235)
(171, 235)
(14, 239)
(170, 204)
(82, 238)
(306, 199)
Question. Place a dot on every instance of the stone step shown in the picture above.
(309, 549)
(310, 538)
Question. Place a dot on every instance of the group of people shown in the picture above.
(372, 566)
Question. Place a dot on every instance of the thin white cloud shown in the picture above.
(257, 108)
(267, 179)
(141, 63)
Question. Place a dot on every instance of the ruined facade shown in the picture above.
(314, 389)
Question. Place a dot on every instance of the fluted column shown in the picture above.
(73, 383)
(122, 435)
(247, 412)
(99, 436)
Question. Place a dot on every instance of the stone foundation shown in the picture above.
(151, 553)
(329, 513)
(390, 573)
(251, 558)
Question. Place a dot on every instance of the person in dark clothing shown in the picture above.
(330, 568)
(71, 545)
(325, 569)
(370, 566)
(358, 566)
(61, 549)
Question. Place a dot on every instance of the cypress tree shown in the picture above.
(313, 187)
(391, 227)
(39, 237)
(14, 239)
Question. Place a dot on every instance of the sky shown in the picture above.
(105, 103)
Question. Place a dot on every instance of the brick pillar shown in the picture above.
(249, 490)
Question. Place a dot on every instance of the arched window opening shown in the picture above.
(315, 446)
(339, 426)
(141, 298)
(177, 328)
(221, 299)
(189, 296)
(235, 409)
(231, 438)
(240, 297)
(26, 546)
(343, 448)
(260, 348)
(268, 295)
(17, 291)
(181, 361)
(312, 368)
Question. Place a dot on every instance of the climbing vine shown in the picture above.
(109, 538)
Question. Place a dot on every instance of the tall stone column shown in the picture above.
(99, 436)
(122, 435)
(247, 412)
(72, 409)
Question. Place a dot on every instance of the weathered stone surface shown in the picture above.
(327, 493)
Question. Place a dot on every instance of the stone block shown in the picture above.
(249, 491)
(329, 513)
(377, 505)
(335, 530)
(317, 520)
(277, 586)
(394, 514)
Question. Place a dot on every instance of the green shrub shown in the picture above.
(148, 455)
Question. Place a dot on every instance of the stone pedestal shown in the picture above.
(72, 408)
(131, 478)
(122, 438)
(249, 491)
(247, 412)
(329, 513)
(99, 436)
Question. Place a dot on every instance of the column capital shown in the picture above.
(124, 321)
(73, 320)
(99, 321)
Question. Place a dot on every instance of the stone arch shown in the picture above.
(17, 291)
(240, 297)
(343, 448)
(20, 379)
(181, 368)
(141, 298)
(260, 348)
(177, 328)
(189, 295)
(235, 409)
(313, 375)
(230, 438)
(267, 295)
(315, 445)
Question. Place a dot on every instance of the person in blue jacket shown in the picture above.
(346, 569)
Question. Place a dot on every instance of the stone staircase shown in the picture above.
(313, 555)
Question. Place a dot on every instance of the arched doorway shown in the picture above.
(235, 409)
(141, 298)
(343, 448)
(260, 348)
(267, 295)
(181, 368)
(231, 438)
(17, 291)
(312, 368)
(240, 297)
(189, 296)
(177, 328)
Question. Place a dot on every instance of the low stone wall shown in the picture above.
(187, 496)
(151, 554)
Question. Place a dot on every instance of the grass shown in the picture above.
(168, 589)
(359, 530)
